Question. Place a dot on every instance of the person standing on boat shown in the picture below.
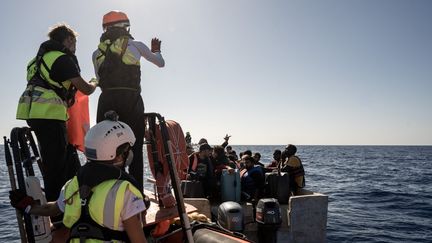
(293, 165)
(53, 77)
(102, 201)
(117, 66)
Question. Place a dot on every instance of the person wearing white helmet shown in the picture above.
(102, 196)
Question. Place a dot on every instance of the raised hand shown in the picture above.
(156, 45)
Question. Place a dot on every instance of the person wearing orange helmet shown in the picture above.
(117, 66)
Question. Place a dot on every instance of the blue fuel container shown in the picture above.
(230, 186)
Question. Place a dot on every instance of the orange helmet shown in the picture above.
(116, 18)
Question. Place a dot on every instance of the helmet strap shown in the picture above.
(126, 159)
(129, 158)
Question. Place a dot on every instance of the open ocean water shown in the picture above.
(376, 193)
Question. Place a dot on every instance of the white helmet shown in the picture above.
(103, 139)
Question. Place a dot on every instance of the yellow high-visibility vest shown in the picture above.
(105, 206)
(43, 103)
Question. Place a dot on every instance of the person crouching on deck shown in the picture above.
(102, 195)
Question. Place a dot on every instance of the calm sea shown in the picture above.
(376, 193)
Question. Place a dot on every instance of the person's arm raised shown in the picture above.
(153, 57)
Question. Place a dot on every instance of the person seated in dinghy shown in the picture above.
(276, 159)
(201, 168)
(252, 180)
(294, 166)
(220, 161)
(102, 195)
(230, 151)
(189, 149)
(274, 165)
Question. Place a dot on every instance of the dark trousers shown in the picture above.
(59, 159)
(129, 107)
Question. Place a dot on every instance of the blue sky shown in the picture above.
(266, 72)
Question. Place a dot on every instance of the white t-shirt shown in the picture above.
(133, 205)
(138, 49)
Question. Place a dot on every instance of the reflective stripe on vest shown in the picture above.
(41, 103)
(119, 47)
(105, 205)
(118, 68)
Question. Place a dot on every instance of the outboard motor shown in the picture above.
(268, 217)
(230, 216)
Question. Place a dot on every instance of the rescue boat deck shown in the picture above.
(304, 218)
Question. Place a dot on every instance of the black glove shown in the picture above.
(20, 200)
(155, 45)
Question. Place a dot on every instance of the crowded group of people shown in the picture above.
(53, 78)
(206, 165)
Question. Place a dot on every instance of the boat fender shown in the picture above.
(41, 225)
